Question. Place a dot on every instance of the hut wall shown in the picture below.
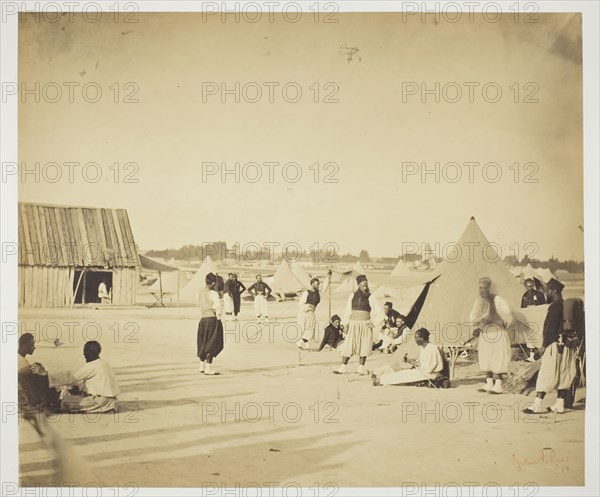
(123, 285)
(45, 286)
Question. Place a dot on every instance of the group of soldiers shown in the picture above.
(492, 317)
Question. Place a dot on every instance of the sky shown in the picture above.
(361, 120)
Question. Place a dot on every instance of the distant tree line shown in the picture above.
(553, 263)
(220, 251)
(217, 250)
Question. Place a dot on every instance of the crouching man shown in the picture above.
(427, 368)
(34, 388)
(94, 387)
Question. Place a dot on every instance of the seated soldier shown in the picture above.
(95, 385)
(389, 323)
(426, 369)
(34, 390)
(397, 335)
(334, 333)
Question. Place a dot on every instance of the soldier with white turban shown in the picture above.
(491, 317)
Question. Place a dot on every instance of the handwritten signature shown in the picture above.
(547, 456)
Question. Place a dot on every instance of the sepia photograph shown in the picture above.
(299, 248)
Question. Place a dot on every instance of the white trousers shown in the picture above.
(261, 307)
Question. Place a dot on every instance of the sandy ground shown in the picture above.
(276, 415)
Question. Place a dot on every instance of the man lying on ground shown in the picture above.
(94, 387)
(34, 390)
(427, 368)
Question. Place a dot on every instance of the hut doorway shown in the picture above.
(86, 290)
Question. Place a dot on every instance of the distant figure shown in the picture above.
(308, 302)
(334, 333)
(95, 387)
(427, 368)
(491, 316)
(558, 368)
(235, 290)
(228, 298)
(33, 383)
(210, 329)
(261, 291)
(103, 295)
(363, 313)
(531, 297)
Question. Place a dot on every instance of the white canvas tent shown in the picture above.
(171, 283)
(404, 277)
(428, 258)
(401, 269)
(528, 272)
(300, 274)
(448, 305)
(516, 271)
(189, 293)
(545, 275)
(348, 284)
(402, 298)
(284, 281)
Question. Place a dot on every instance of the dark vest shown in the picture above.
(360, 301)
(313, 298)
(391, 317)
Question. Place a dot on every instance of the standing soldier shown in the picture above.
(228, 298)
(210, 328)
(309, 300)
(558, 368)
(363, 313)
(261, 292)
(491, 317)
(237, 288)
(531, 297)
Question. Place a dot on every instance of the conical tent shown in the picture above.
(189, 293)
(401, 269)
(529, 272)
(402, 298)
(448, 305)
(545, 274)
(284, 280)
(348, 284)
(516, 271)
(300, 274)
(427, 254)
(359, 268)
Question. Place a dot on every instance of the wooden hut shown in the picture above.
(65, 252)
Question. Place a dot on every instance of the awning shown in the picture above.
(153, 265)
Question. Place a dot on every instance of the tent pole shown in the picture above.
(160, 288)
(178, 276)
